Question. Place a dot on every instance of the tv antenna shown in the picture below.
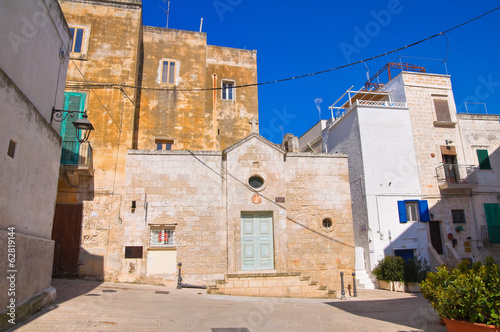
(318, 101)
(167, 11)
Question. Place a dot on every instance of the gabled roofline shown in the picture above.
(249, 137)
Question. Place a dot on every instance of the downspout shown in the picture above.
(214, 111)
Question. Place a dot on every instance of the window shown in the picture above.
(413, 211)
(162, 236)
(228, 90)
(163, 144)
(77, 40)
(168, 71)
(492, 213)
(327, 223)
(442, 110)
(483, 159)
(256, 182)
(458, 216)
(12, 149)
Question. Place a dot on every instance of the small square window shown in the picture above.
(163, 145)
(228, 90)
(162, 236)
(412, 211)
(77, 38)
(458, 216)
(442, 110)
(12, 149)
(168, 71)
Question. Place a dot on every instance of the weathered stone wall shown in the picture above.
(231, 116)
(181, 189)
(111, 57)
(318, 189)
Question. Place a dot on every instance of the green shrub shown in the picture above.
(470, 293)
(416, 270)
(394, 268)
(391, 268)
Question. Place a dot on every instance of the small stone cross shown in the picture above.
(254, 124)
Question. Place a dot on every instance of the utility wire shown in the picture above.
(105, 108)
(322, 71)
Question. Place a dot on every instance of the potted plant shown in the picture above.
(466, 298)
(390, 273)
(415, 271)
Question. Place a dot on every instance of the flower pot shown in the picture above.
(453, 325)
(385, 285)
(399, 286)
(412, 287)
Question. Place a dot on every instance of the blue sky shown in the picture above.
(299, 37)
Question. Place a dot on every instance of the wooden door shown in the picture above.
(66, 233)
(257, 252)
(436, 241)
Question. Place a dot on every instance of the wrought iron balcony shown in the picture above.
(76, 161)
(490, 234)
(451, 176)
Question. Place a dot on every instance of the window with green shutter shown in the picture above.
(484, 159)
(73, 101)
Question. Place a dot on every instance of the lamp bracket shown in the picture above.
(59, 116)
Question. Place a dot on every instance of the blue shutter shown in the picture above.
(423, 210)
(402, 211)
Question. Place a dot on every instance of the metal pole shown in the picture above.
(179, 278)
(342, 290)
(355, 291)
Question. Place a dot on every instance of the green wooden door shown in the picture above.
(73, 101)
(257, 252)
(492, 211)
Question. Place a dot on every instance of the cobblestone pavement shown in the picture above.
(103, 306)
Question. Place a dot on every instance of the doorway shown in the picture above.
(257, 252)
(66, 233)
(436, 241)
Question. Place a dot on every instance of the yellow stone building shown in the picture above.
(168, 173)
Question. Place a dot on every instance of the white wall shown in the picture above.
(34, 32)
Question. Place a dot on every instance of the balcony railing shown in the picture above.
(451, 176)
(490, 234)
(76, 153)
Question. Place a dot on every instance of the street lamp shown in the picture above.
(83, 126)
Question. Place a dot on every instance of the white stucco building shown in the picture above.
(416, 184)
(33, 63)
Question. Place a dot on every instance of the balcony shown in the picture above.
(76, 161)
(452, 177)
(490, 234)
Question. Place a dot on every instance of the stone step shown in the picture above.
(271, 284)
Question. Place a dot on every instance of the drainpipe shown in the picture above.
(214, 110)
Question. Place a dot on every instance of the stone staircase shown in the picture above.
(271, 285)
(363, 280)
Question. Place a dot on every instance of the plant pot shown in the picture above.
(412, 287)
(387, 285)
(453, 325)
(399, 286)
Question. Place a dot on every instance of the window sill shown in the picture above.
(78, 56)
(445, 124)
(172, 247)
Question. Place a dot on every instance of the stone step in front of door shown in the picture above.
(271, 285)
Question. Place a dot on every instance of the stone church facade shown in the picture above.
(253, 208)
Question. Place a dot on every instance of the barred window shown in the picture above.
(162, 236)
(458, 216)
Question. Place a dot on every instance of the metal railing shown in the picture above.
(381, 103)
(456, 174)
(76, 153)
(490, 234)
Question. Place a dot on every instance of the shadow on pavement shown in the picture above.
(413, 311)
